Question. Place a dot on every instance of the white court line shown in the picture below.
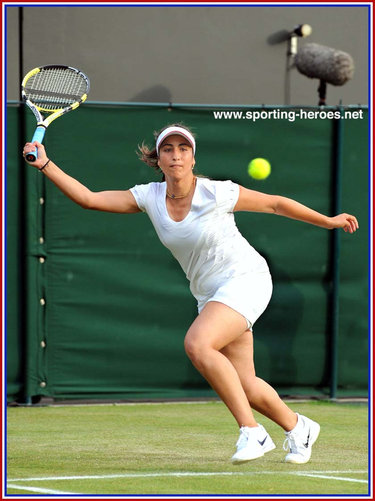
(301, 474)
(39, 490)
(318, 474)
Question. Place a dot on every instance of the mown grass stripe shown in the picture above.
(322, 474)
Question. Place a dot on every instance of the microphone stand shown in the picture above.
(322, 91)
(290, 55)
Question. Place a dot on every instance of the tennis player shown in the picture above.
(193, 217)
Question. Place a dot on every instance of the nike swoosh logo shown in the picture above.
(262, 441)
(307, 441)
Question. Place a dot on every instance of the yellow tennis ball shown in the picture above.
(259, 168)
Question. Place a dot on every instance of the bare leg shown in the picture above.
(261, 395)
(216, 327)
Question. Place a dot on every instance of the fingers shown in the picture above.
(31, 147)
(347, 222)
(28, 148)
(351, 225)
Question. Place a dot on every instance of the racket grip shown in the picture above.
(38, 136)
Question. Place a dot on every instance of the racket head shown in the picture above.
(54, 88)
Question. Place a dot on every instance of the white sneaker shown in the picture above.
(252, 444)
(300, 440)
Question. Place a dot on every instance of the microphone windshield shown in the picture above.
(330, 65)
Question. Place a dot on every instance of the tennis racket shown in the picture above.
(52, 90)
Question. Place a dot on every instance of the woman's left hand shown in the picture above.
(345, 221)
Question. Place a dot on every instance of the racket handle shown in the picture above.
(38, 136)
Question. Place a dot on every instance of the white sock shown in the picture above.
(298, 426)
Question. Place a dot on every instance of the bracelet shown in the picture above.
(45, 165)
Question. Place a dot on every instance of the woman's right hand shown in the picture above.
(42, 156)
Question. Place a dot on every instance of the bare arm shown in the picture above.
(108, 201)
(250, 200)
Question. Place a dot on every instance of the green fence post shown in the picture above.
(335, 256)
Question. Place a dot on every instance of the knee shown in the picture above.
(191, 347)
(195, 350)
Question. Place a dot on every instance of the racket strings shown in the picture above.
(56, 88)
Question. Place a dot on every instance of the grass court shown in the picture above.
(177, 448)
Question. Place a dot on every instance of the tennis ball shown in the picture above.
(259, 168)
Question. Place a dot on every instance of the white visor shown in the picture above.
(170, 131)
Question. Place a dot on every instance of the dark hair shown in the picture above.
(150, 156)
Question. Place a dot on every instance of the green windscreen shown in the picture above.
(98, 308)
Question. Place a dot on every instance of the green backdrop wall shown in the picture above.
(98, 308)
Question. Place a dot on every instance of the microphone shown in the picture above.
(328, 65)
(331, 65)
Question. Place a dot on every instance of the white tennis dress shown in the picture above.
(217, 260)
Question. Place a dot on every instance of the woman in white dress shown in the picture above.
(193, 217)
